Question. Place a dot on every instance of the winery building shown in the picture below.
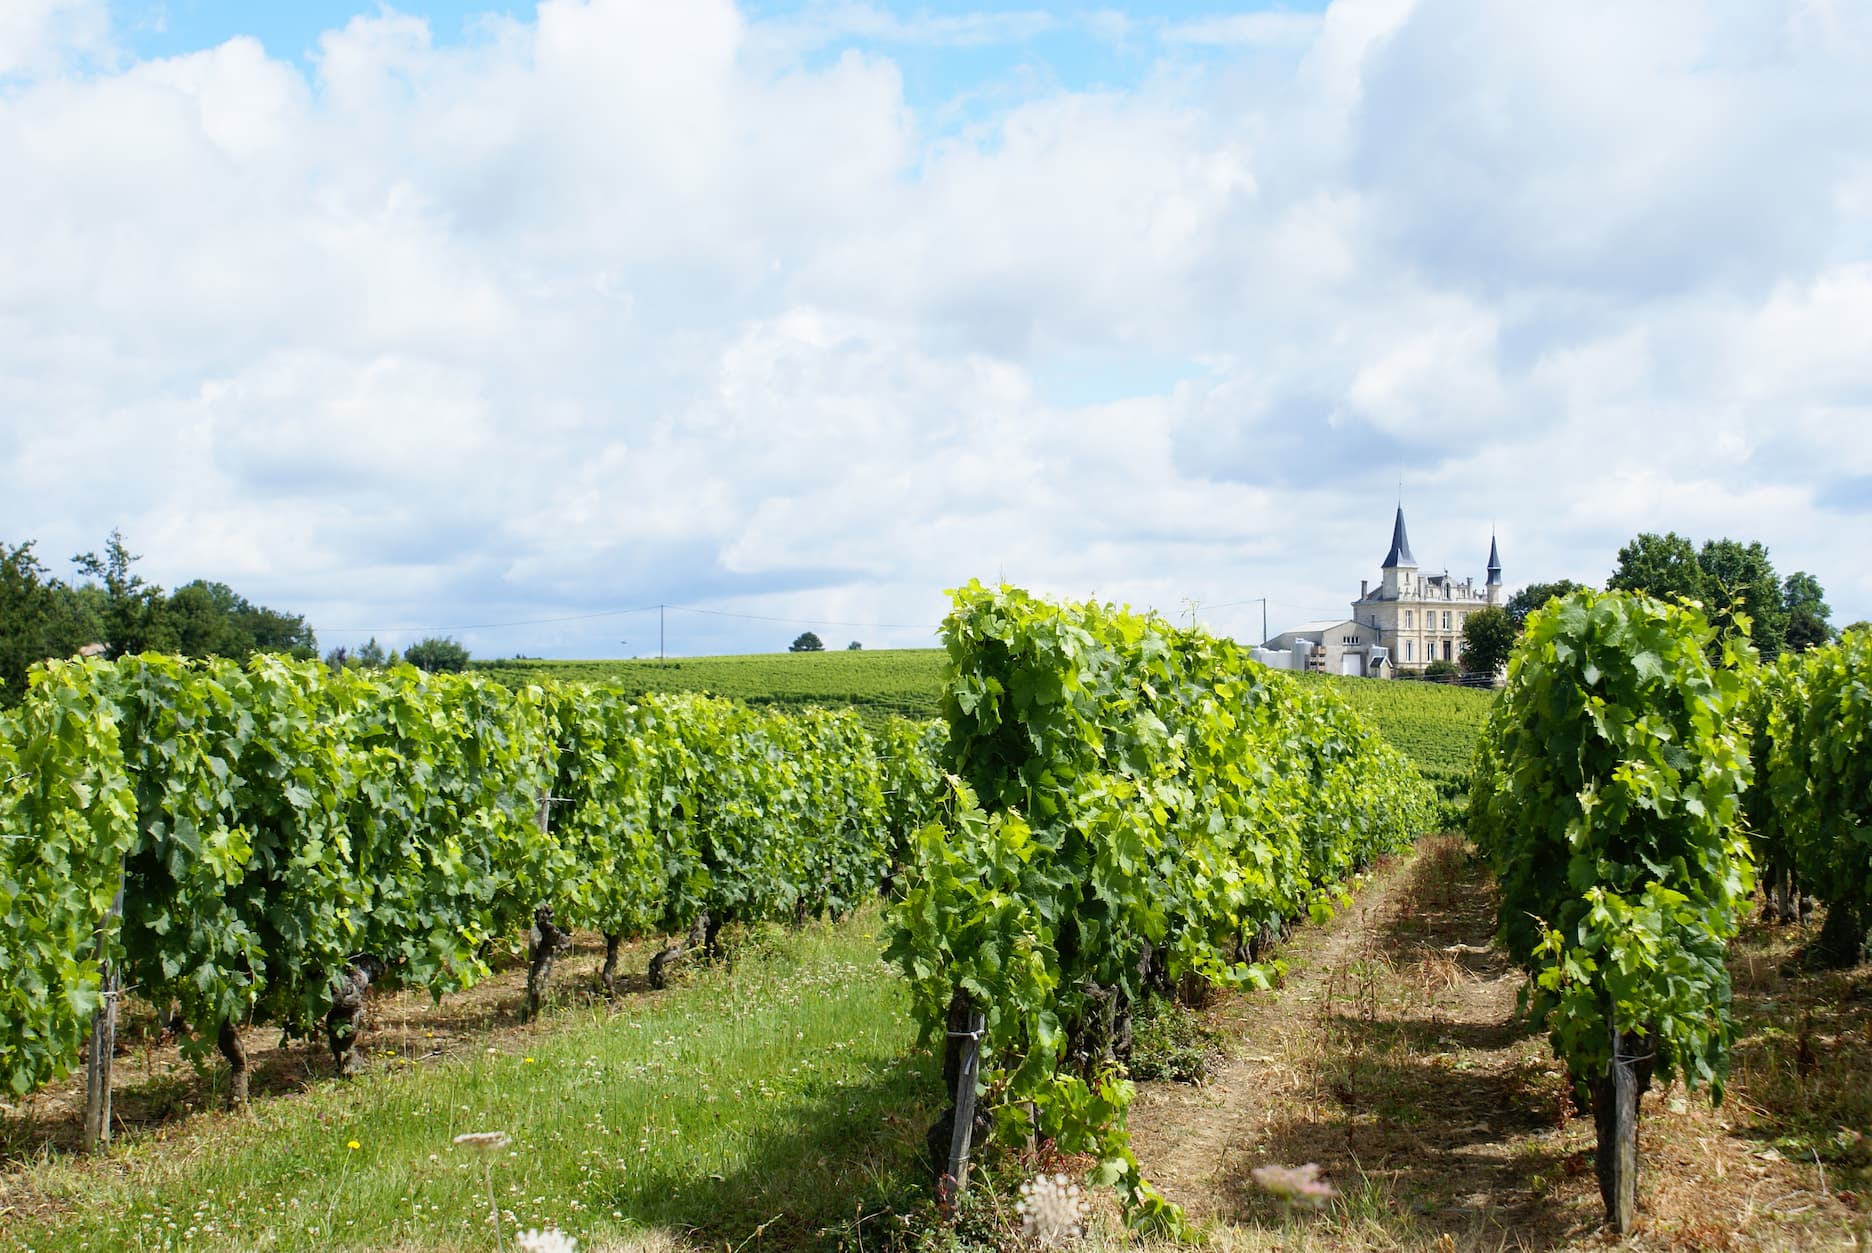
(1407, 621)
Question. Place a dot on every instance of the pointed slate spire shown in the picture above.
(1494, 563)
(1400, 554)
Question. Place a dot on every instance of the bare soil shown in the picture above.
(1393, 1056)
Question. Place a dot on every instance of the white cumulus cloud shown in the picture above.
(632, 302)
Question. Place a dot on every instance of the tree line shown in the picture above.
(110, 606)
(1730, 580)
(111, 610)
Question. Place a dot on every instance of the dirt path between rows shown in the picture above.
(1393, 1057)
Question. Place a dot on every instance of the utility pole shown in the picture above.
(660, 657)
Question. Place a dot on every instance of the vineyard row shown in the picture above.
(261, 843)
(1135, 806)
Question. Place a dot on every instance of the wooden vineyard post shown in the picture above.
(97, 1120)
(1615, 1113)
(955, 1177)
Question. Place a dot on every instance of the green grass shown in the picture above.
(787, 1094)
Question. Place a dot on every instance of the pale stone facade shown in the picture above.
(1418, 618)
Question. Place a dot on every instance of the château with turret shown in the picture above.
(1416, 617)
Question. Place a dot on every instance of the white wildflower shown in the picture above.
(483, 1141)
(1052, 1210)
(551, 1240)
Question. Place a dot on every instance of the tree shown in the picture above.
(1488, 636)
(1664, 566)
(806, 643)
(205, 620)
(40, 617)
(853, 647)
(1442, 671)
(213, 620)
(1533, 596)
(1739, 579)
(133, 613)
(437, 656)
(1807, 612)
(1727, 577)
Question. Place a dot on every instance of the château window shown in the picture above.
(1410, 650)
(1446, 650)
(1446, 627)
(1409, 619)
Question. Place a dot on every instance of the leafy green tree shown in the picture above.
(39, 618)
(1662, 566)
(1442, 671)
(1727, 577)
(134, 612)
(1533, 596)
(1807, 612)
(1488, 636)
(853, 647)
(205, 619)
(1739, 579)
(807, 642)
(437, 656)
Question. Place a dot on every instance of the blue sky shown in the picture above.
(807, 312)
(1067, 48)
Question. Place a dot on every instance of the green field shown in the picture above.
(1433, 724)
(874, 682)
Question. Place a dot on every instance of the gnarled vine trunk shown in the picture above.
(701, 934)
(607, 974)
(228, 1039)
(544, 944)
(345, 1018)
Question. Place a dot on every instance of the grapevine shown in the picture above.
(1606, 796)
(1130, 803)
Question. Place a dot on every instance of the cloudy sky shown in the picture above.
(503, 322)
